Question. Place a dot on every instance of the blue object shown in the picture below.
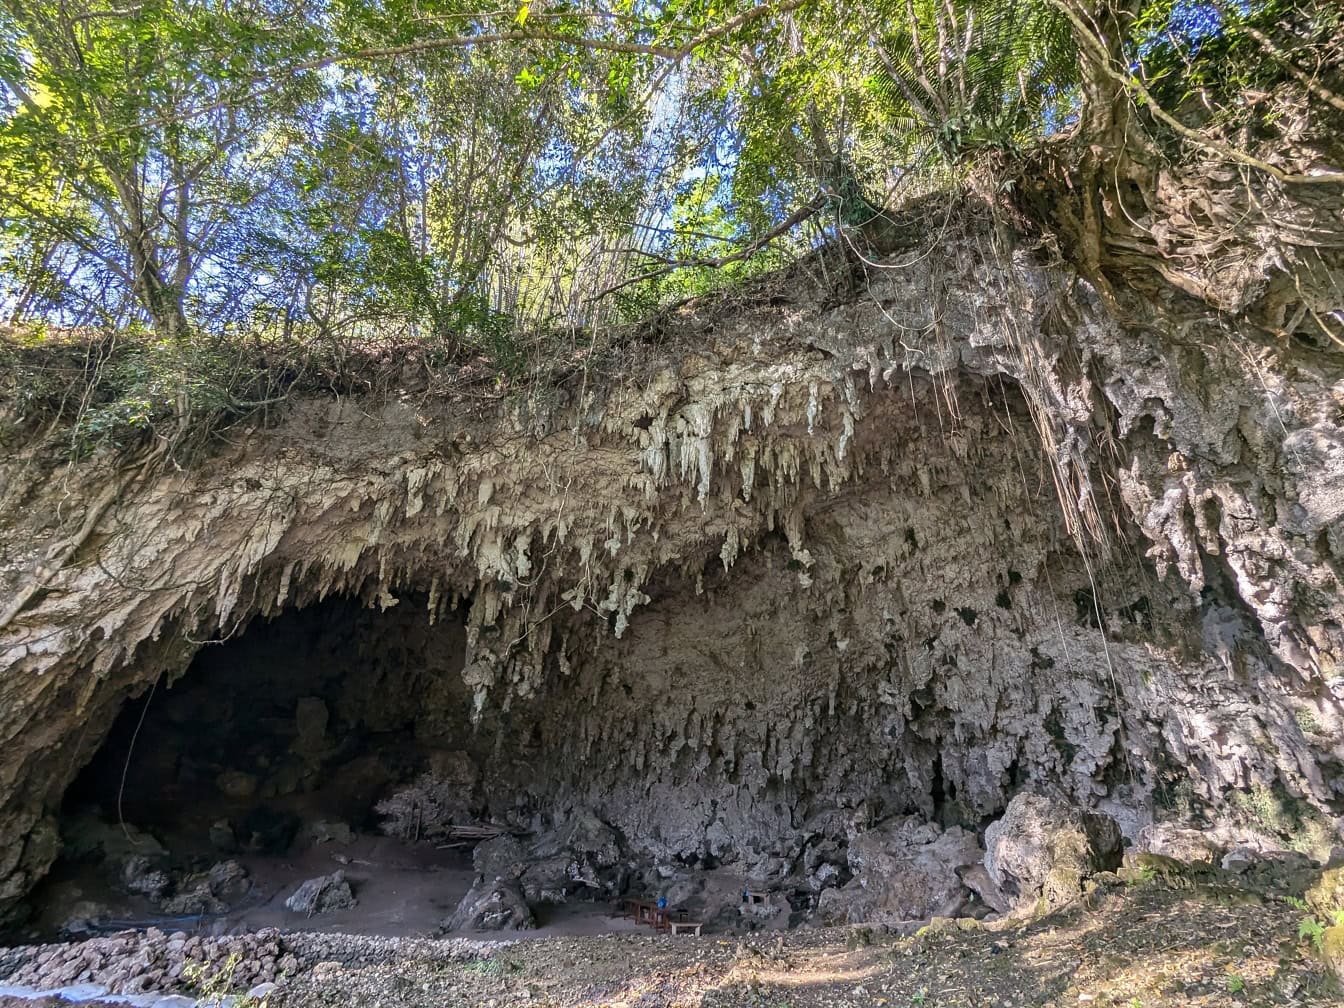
(662, 902)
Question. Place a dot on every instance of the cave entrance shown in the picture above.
(290, 751)
(312, 715)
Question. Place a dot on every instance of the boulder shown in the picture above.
(550, 879)
(493, 905)
(680, 890)
(229, 881)
(237, 784)
(323, 894)
(905, 869)
(85, 917)
(1046, 849)
(328, 832)
(587, 835)
(848, 904)
(193, 899)
(500, 857)
(977, 879)
(86, 837)
(143, 874)
(209, 892)
(1179, 843)
(1326, 895)
(1332, 950)
(582, 853)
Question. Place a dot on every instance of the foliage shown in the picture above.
(215, 982)
(1312, 926)
(425, 810)
(968, 74)
(357, 174)
(1280, 814)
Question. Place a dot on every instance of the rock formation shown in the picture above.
(906, 543)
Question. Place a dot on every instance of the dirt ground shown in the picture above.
(1138, 946)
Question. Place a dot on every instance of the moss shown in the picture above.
(1332, 950)
(1327, 895)
(1272, 810)
(1062, 885)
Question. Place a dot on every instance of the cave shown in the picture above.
(817, 668)
(296, 709)
(799, 632)
(695, 505)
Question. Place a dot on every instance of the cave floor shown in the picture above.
(1137, 947)
(404, 890)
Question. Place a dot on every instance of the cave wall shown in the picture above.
(843, 511)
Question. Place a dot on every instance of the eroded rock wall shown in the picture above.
(949, 534)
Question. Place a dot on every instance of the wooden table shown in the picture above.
(642, 911)
(685, 925)
(648, 912)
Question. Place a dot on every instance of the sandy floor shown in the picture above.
(403, 891)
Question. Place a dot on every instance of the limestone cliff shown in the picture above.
(922, 538)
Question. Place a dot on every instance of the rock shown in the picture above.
(1332, 950)
(583, 852)
(905, 869)
(237, 784)
(222, 837)
(141, 874)
(500, 857)
(324, 832)
(977, 879)
(268, 830)
(1326, 895)
(1239, 860)
(262, 991)
(194, 899)
(824, 876)
(681, 891)
(493, 905)
(550, 879)
(455, 768)
(588, 836)
(849, 904)
(209, 892)
(324, 894)
(229, 881)
(86, 837)
(1043, 848)
(84, 917)
(1179, 843)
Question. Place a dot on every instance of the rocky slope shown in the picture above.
(907, 544)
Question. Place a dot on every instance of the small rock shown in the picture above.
(324, 832)
(140, 874)
(323, 894)
(237, 784)
(84, 917)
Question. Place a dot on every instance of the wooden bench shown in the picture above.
(692, 927)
